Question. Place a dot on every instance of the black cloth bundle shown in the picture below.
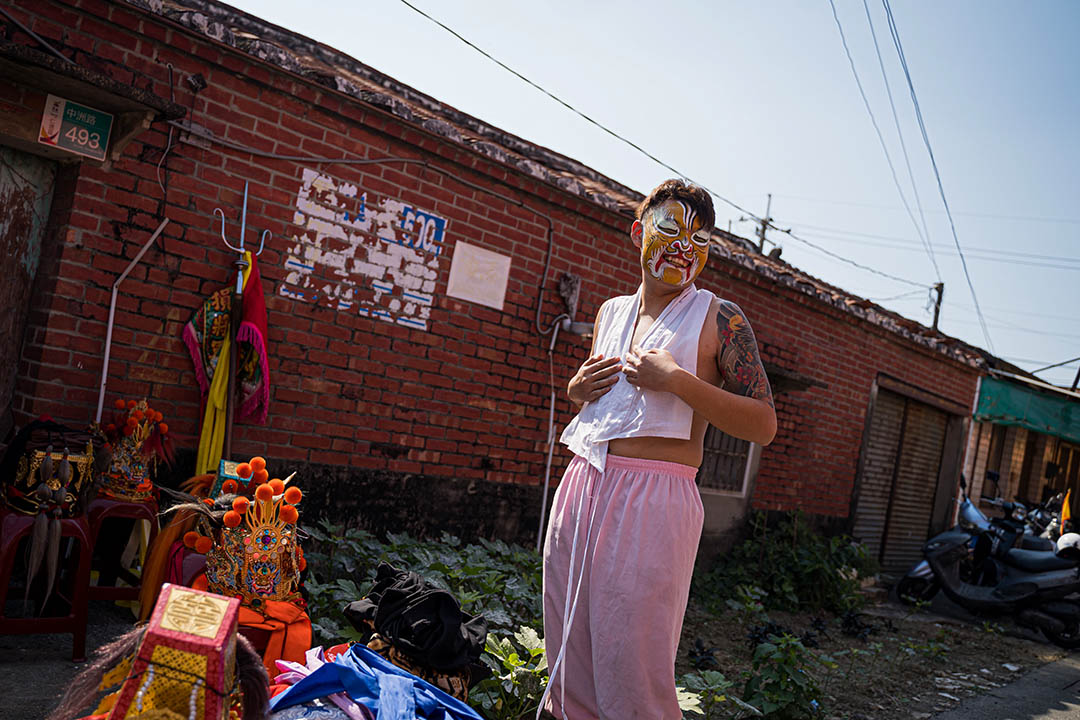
(421, 620)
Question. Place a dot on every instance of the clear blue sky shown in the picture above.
(757, 97)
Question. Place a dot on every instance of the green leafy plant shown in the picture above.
(500, 581)
(793, 567)
(519, 676)
(781, 682)
(708, 693)
(748, 604)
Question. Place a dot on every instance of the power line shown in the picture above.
(896, 297)
(1015, 328)
(997, 216)
(1025, 313)
(925, 236)
(650, 155)
(881, 138)
(1063, 362)
(933, 162)
(849, 261)
(574, 110)
(1010, 258)
(999, 322)
(826, 231)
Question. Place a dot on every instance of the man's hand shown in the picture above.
(652, 369)
(593, 379)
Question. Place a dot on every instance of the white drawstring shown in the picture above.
(570, 608)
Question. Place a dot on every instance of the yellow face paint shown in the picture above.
(674, 244)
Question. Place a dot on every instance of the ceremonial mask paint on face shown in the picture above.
(674, 245)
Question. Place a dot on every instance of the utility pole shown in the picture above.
(764, 225)
(940, 288)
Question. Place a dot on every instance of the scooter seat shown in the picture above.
(1038, 561)
(1034, 542)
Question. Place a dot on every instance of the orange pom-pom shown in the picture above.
(203, 544)
(277, 486)
(229, 486)
(138, 415)
(163, 428)
(120, 404)
(288, 514)
(301, 564)
(243, 470)
(231, 519)
(131, 404)
(260, 476)
(240, 505)
(264, 493)
(293, 495)
(110, 428)
(190, 537)
(129, 429)
(158, 417)
(132, 421)
(258, 463)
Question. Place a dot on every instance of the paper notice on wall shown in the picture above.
(478, 275)
(376, 257)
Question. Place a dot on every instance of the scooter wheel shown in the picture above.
(911, 590)
(1069, 639)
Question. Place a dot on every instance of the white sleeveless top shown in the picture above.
(626, 411)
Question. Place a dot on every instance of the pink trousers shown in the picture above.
(617, 567)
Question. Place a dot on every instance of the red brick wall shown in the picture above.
(465, 399)
(811, 464)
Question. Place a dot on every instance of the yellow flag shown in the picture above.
(1066, 510)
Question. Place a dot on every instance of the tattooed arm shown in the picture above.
(737, 355)
(742, 406)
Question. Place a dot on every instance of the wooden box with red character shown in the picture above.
(186, 662)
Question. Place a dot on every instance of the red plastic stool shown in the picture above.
(101, 508)
(13, 528)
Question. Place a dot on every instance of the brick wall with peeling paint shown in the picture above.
(372, 365)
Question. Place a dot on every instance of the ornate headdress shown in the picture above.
(137, 439)
(249, 536)
(46, 468)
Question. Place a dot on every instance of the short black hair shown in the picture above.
(693, 195)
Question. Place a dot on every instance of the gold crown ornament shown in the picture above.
(137, 439)
(253, 553)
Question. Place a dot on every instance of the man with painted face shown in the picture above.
(666, 362)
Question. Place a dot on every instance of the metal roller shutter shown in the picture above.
(912, 502)
(879, 464)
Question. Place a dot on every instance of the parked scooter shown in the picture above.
(1037, 587)
(1037, 531)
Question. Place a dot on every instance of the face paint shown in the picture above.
(674, 245)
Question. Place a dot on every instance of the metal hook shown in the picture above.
(221, 213)
(266, 234)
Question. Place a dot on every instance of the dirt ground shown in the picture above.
(893, 663)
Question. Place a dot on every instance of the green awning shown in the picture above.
(1030, 405)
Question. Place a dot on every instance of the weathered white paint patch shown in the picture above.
(377, 258)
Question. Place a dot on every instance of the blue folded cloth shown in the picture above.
(380, 686)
